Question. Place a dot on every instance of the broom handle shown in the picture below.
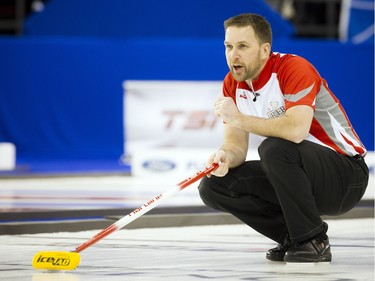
(148, 206)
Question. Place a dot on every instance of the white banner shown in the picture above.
(165, 114)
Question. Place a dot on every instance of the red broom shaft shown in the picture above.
(145, 208)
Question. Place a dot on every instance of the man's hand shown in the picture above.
(294, 125)
(219, 157)
(226, 109)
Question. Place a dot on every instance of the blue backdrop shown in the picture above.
(61, 91)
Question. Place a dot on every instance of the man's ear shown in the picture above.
(265, 50)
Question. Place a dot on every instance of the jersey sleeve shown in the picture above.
(299, 81)
(229, 87)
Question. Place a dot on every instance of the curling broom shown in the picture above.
(71, 260)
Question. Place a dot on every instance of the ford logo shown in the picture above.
(159, 165)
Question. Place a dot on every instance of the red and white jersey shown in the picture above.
(289, 80)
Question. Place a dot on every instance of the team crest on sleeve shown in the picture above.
(275, 110)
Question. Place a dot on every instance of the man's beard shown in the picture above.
(248, 74)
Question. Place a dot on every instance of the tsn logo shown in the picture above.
(54, 261)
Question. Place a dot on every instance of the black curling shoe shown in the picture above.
(278, 253)
(315, 250)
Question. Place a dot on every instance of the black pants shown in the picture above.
(288, 190)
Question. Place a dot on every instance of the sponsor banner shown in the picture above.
(173, 163)
(170, 163)
(161, 114)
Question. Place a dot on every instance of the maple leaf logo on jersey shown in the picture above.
(273, 106)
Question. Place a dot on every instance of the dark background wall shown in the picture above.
(61, 91)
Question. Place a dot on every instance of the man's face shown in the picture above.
(243, 53)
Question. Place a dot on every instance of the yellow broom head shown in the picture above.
(56, 260)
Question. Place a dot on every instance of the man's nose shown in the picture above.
(234, 54)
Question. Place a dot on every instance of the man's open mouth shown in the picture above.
(237, 67)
